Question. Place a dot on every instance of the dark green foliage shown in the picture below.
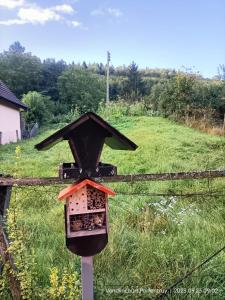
(114, 90)
(116, 85)
(121, 71)
(187, 95)
(81, 89)
(177, 95)
(51, 70)
(21, 71)
(77, 87)
(101, 69)
(16, 48)
(84, 65)
(134, 87)
(40, 108)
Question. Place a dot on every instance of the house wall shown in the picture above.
(9, 124)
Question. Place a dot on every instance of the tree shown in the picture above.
(51, 70)
(121, 71)
(187, 95)
(21, 71)
(81, 89)
(134, 86)
(177, 95)
(16, 47)
(40, 108)
(84, 65)
(101, 69)
(111, 70)
(157, 89)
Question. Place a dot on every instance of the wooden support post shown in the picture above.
(87, 277)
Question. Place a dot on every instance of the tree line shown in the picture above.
(56, 91)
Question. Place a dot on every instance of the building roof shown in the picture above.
(68, 191)
(8, 96)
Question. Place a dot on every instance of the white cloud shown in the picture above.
(12, 22)
(76, 24)
(38, 15)
(97, 12)
(114, 12)
(33, 14)
(11, 3)
(64, 8)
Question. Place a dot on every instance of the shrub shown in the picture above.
(81, 89)
(120, 108)
(40, 108)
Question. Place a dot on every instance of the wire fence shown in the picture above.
(39, 197)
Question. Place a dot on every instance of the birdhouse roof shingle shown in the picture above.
(77, 186)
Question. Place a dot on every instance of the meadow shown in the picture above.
(153, 239)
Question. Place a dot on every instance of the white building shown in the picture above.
(10, 115)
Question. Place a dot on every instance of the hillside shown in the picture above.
(164, 146)
(153, 239)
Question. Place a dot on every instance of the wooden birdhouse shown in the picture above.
(86, 208)
(86, 137)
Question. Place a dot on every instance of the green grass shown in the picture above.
(153, 240)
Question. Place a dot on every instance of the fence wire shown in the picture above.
(45, 197)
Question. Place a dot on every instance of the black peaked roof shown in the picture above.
(113, 138)
(7, 95)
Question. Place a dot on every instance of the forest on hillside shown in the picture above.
(56, 91)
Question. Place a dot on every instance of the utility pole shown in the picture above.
(107, 79)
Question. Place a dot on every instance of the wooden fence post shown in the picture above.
(6, 257)
(5, 194)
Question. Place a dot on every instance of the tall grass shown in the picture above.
(117, 109)
(153, 240)
(205, 125)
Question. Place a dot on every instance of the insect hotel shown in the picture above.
(86, 208)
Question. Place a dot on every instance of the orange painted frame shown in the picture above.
(76, 186)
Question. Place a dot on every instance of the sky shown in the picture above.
(154, 33)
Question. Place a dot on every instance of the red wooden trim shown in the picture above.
(75, 187)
